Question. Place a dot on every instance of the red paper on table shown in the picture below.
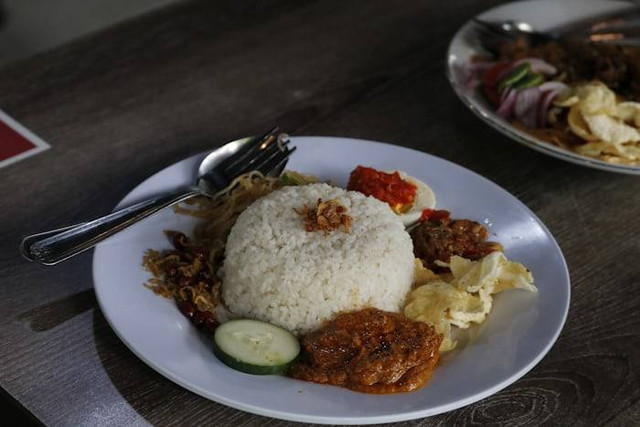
(16, 141)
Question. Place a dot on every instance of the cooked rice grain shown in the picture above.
(277, 272)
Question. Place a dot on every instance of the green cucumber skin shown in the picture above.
(531, 80)
(248, 368)
(516, 75)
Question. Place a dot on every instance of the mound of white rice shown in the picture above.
(277, 272)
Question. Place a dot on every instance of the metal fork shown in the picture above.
(621, 27)
(267, 154)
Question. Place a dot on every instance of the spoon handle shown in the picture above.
(51, 247)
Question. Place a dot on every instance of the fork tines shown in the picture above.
(247, 152)
(264, 154)
(275, 164)
(491, 35)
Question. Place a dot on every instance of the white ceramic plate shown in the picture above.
(542, 14)
(517, 334)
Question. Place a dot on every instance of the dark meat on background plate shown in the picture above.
(617, 66)
(439, 238)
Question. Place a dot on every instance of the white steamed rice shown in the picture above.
(277, 272)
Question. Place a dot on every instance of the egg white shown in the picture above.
(425, 199)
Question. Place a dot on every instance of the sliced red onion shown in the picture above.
(554, 86)
(538, 66)
(543, 107)
(547, 99)
(471, 82)
(526, 108)
(505, 93)
(471, 71)
(470, 85)
(507, 104)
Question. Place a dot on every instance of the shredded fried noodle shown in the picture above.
(188, 273)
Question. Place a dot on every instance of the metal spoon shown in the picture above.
(267, 154)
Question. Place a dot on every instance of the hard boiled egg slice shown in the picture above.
(425, 199)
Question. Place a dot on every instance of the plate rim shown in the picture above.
(489, 117)
(355, 420)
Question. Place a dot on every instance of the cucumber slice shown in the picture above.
(514, 76)
(531, 80)
(255, 347)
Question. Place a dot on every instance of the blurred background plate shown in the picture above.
(543, 15)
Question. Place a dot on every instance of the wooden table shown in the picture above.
(124, 103)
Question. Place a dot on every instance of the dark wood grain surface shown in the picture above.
(124, 103)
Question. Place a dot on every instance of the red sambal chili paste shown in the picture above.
(434, 215)
(387, 187)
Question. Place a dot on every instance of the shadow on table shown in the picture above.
(48, 316)
(152, 396)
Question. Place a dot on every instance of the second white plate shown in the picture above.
(542, 14)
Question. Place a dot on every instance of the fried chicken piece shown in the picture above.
(371, 351)
(440, 239)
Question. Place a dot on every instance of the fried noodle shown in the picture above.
(188, 273)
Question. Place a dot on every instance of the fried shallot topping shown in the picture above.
(326, 216)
